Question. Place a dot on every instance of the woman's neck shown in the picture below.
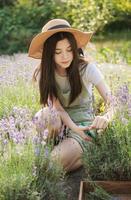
(61, 72)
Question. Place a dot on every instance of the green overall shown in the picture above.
(80, 111)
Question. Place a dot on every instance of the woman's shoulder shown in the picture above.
(86, 68)
(91, 73)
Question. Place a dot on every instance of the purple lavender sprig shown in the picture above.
(18, 127)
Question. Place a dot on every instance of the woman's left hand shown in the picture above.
(100, 122)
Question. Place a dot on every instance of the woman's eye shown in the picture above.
(69, 50)
(57, 53)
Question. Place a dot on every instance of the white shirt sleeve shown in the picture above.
(92, 74)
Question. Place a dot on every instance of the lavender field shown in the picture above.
(24, 155)
(17, 89)
(24, 158)
(16, 86)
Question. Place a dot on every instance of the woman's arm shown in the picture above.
(68, 121)
(101, 122)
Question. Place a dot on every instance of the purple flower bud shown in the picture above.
(5, 141)
(46, 152)
(37, 151)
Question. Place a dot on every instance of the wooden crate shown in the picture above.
(121, 189)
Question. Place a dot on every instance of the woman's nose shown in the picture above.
(64, 55)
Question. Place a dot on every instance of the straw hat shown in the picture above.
(52, 27)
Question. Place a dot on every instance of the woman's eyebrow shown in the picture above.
(57, 49)
(66, 47)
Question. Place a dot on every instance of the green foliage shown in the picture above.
(16, 172)
(86, 15)
(27, 170)
(49, 176)
(121, 55)
(16, 96)
(22, 19)
(121, 11)
(114, 55)
(19, 23)
(109, 157)
(26, 167)
(24, 175)
(6, 3)
(111, 47)
(94, 15)
(99, 193)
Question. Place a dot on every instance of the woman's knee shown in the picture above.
(60, 157)
(68, 163)
(68, 153)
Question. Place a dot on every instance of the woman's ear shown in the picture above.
(80, 51)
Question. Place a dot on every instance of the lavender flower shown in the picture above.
(37, 150)
(18, 126)
(46, 152)
(15, 66)
(123, 94)
(45, 134)
(36, 140)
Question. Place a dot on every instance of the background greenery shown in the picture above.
(20, 20)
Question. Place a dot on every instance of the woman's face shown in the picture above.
(63, 54)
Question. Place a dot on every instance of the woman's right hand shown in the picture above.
(80, 131)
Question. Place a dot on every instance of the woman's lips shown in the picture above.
(65, 62)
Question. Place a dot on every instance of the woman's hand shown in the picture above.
(100, 122)
(80, 131)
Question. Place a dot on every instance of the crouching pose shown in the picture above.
(66, 80)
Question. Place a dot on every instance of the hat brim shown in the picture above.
(36, 46)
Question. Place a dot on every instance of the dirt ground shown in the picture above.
(72, 183)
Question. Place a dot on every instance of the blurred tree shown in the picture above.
(21, 19)
(85, 14)
(121, 16)
(6, 2)
(20, 22)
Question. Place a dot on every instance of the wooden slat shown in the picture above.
(81, 192)
(120, 188)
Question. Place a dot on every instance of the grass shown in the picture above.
(111, 49)
(16, 89)
(114, 47)
(114, 40)
(21, 95)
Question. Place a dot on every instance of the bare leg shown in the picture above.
(68, 152)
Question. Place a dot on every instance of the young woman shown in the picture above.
(65, 84)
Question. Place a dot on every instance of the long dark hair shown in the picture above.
(47, 83)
